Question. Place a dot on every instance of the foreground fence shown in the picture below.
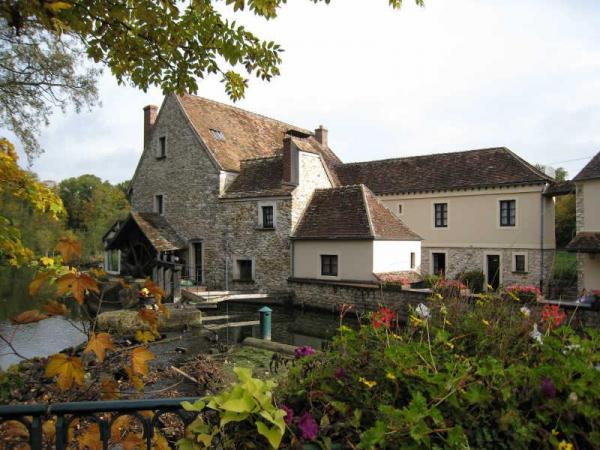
(41, 420)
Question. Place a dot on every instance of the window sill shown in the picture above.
(265, 229)
(519, 272)
(244, 281)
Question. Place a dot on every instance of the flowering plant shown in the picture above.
(523, 292)
(448, 288)
(553, 316)
(301, 352)
(382, 317)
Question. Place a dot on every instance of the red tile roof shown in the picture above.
(259, 177)
(590, 171)
(350, 212)
(443, 171)
(585, 242)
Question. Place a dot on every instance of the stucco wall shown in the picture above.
(355, 259)
(311, 176)
(394, 256)
(268, 249)
(189, 182)
(591, 205)
(474, 218)
(591, 272)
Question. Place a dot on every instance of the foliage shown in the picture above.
(565, 267)
(474, 280)
(460, 376)
(429, 281)
(565, 219)
(92, 207)
(525, 293)
(244, 410)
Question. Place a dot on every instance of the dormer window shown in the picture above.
(217, 134)
(161, 151)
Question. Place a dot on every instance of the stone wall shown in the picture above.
(579, 215)
(466, 259)
(268, 249)
(189, 182)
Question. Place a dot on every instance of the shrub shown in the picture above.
(489, 375)
(523, 293)
(429, 281)
(475, 280)
(449, 288)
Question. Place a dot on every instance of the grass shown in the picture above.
(565, 266)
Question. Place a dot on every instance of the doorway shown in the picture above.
(197, 267)
(439, 264)
(493, 271)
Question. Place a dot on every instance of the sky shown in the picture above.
(455, 75)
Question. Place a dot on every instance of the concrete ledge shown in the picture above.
(278, 347)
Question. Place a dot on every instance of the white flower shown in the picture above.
(573, 397)
(423, 311)
(535, 334)
(525, 311)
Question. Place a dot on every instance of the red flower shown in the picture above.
(382, 317)
(553, 316)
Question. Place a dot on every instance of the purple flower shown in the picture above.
(308, 426)
(301, 352)
(548, 388)
(289, 414)
(340, 373)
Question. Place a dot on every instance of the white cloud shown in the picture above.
(455, 75)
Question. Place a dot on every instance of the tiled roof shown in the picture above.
(590, 171)
(443, 171)
(233, 134)
(350, 212)
(156, 229)
(260, 177)
(560, 188)
(411, 276)
(585, 242)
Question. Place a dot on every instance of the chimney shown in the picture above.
(290, 161)
(321, 135)
(150, 113)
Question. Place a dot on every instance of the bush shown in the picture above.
(429, 281)
(448, 288)
(474, 280)
(523, 293)
(489, 375)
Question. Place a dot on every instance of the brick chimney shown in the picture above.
(150, 113)
(290, 161)
(321, 135)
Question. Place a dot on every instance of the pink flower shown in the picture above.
(340, 373)
(548, 388)
(289, 414)
(308, 426)
(553, 316)
(301, 352)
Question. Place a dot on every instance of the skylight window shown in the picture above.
(217, 134)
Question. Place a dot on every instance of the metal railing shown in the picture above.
(102, 413)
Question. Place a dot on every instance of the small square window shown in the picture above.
(508, 213)
(158, 204)
(329, 265)
(245, 269)
(413, 258)
(520, 263)
(162, 147)
(217, 134)
(441, 215)
(267, 217)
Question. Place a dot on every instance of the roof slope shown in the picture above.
(245, 134)
(350, 212)
(156, 229)
(468, 169)
(260, 177)
(585, 242)
(590, 171)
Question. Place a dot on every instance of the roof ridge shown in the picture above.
(249, 112)
(261, 157)
(400, 158)
(526, 164)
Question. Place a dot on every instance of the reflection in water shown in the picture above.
(37, 339)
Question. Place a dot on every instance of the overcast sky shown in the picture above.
(455, 75)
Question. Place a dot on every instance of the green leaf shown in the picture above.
(227, 417)
(244, 404)
(273, 435)
(373, 436)
(198, 405)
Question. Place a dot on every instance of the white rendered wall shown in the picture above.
(394, 256)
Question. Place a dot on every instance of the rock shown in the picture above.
(128, 321)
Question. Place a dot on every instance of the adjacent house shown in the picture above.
(244, 201)
(587, 240)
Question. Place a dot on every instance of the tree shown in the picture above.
(143, 42)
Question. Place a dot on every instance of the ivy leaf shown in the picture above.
(198, 405)
(99, 343)
(68, 369)
(68, 248)
(30, 316)
(139, 360)
(78, 284)
(273, 435)
(54, 308)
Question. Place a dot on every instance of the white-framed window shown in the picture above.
(329, 265)
(161, 147)
(508, 213)
(520, 263)
(244, 269)
(267, 215)
(112, 261)
(159, 206)
(440, 215)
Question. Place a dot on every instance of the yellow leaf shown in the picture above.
(53, 308)
(155, 290)
(139, 360)
(30, 316)
(99, 343)
(68, 248)
(46, 261)
(68, 369)
(149, 315)
(97, 272)
(89, 439)
(76, 283)
(109, 389)
(137, 382)
(58, 6)
(159, 442)
(144, 336)
(38, 281)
